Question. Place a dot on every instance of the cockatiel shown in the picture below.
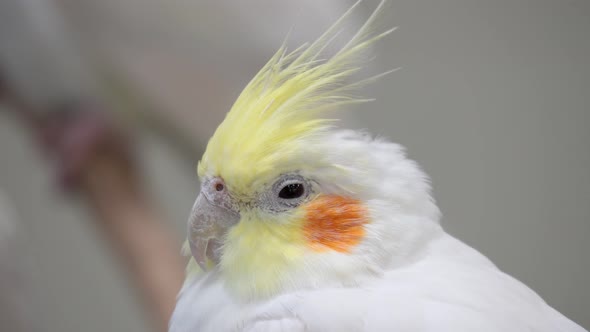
(303, 227)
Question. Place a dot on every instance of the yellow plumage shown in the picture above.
(267, 127)
(282, 106)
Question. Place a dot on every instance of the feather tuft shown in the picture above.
(285, 103)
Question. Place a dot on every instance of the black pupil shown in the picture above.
(290, 191)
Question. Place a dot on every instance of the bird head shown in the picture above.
(287, 201)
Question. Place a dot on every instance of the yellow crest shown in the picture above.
(282, 105)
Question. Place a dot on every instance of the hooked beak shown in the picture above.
(207, 226)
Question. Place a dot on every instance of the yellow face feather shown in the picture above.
(258, 253)
(266, 129)
(282, 106)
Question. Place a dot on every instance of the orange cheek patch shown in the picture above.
(334, 222)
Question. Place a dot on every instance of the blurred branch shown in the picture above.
(95, 160)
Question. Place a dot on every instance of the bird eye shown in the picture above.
(289, 191)
(292, 190)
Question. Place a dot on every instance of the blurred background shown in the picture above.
(105, 108)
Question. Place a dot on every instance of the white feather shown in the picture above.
(451, 288)
(406, 275)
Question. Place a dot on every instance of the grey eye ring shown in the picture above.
(290, 190)
(287, 192)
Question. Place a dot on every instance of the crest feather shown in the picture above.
(283, 104)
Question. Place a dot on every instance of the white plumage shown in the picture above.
(301, 227)
(406, 275)
(448, 288)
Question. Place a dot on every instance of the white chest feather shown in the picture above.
(451, 288)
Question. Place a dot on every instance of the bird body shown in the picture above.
(445, 286)
(303, 227)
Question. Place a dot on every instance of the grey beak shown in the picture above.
(207, 226)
